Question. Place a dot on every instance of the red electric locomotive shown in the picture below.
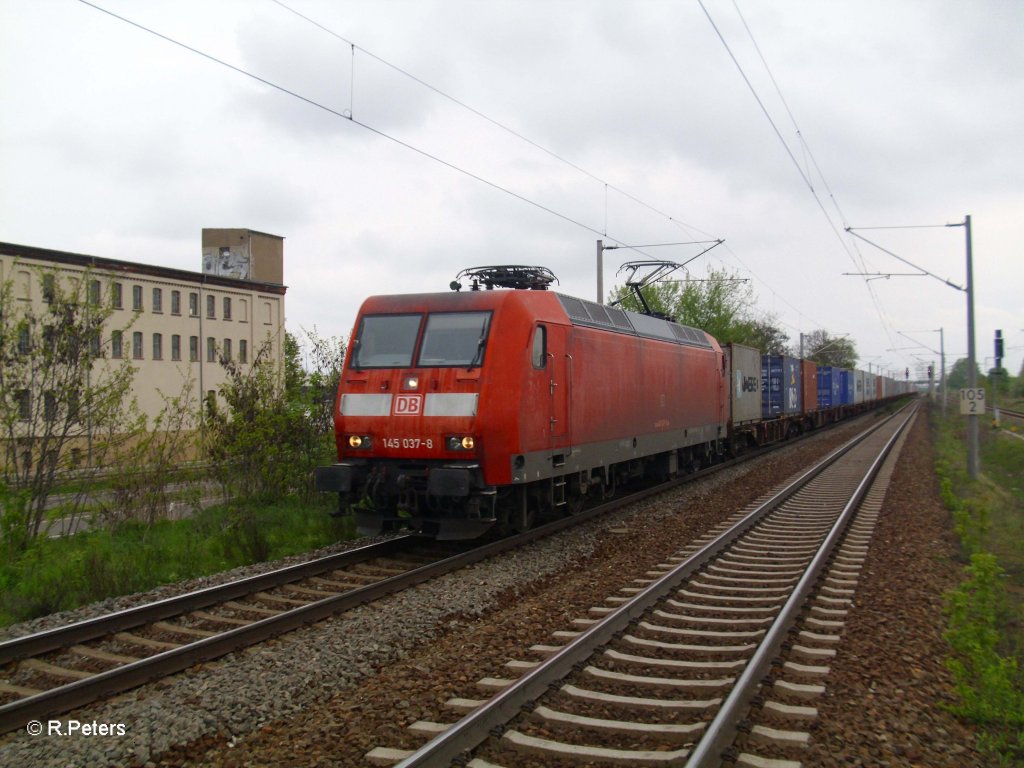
(458, 411)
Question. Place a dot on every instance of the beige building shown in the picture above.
(178, 324)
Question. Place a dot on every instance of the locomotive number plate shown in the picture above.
(408, 442)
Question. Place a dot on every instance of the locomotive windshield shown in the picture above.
(454, 338)
(450, 339)
(386, 341)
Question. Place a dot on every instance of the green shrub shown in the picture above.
(60, 574)
(989, 685)
(986, 512)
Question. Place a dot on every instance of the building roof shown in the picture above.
(135, 268)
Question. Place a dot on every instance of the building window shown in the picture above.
(137, 345)
(24, 340)
(24, 285)
(211, 350)
(227, 307)
(175, 347)
(243, 351)
(117, 296)
(94, 343)
(243, 310)
(94, 292)
(137, 298)
(211, 306)
(193, 305)
(158, 300)
(116, 345)
(49, 406)
(193, 348)
(226, 351)
(49, 287)
(24, 404)
(175, 302)
(158, 346)
(268, 312)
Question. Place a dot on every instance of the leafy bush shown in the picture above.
(990, 686)
(61, 574)
(989, 680)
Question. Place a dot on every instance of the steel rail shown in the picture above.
(90, 629)
(721, 732)
(1005, 412)
(122, 678)
(63, 698)
(475, 727)
(127, 676)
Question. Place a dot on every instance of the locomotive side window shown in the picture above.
(540, 347)
(386, 341)
(455, 338)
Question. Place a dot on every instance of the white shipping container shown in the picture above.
(744, 368)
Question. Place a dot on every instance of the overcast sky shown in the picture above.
(593, 119)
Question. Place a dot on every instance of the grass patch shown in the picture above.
(986, 612)
(60, 574)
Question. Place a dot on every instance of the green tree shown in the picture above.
(721, 305)
(277, 424)
(322, 370)
(825, 349)
(767, 337)
(957, 377)
(64, 406)
(999, 380)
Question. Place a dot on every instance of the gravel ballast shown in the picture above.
(329, 694)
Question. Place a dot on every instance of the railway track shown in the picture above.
(51, 672)
(54, 671)
(716, 655)
(58, 670)
(1006, 413)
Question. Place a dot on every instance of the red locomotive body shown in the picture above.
(457, 411)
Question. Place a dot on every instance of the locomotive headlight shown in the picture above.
(411, 383)
(362, 442)
(461, 443)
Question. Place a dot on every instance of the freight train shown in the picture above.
(462, 411)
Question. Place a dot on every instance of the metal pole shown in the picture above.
(942, 362)
(972, 373)
(600, 271)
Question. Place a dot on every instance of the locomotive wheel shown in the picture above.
(575, 496)
(574, 505)
(522, 518)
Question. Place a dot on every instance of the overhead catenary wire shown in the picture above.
(350, 116)
(347, 117)
(887, 325)
(606, 185)
(496, 123)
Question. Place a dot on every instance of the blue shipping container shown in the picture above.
(846, 386)
(829, 386)
(780, 386)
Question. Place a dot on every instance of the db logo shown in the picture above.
(408, 405)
